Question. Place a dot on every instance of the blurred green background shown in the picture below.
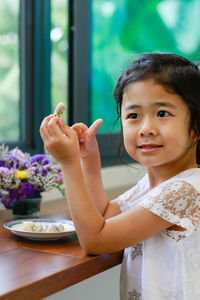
(119, 29)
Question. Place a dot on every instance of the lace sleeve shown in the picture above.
(177, 202)
(130, 197)
(126, 198)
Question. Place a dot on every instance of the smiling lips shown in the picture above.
(149, 148)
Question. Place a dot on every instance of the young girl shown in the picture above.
(157, 221)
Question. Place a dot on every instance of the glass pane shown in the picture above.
(121, 28)
(9, 71)
(59, 39)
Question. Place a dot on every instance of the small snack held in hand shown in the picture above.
(60, 108)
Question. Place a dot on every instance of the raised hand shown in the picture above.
(62, 143)
(87, 137)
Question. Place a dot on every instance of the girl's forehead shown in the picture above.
(146, 85)
(148, 92)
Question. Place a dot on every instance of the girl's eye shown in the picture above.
(133, 116)
(163, 113)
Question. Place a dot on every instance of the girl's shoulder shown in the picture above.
(191, 176)
(177, 200)
(183, 184)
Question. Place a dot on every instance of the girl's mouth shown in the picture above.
(149, 148)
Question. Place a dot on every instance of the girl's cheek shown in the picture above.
(129, 133)
(129, 142)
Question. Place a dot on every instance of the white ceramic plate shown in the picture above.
(16, 227)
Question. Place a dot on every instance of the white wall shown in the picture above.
(116, 180)
(104, 286)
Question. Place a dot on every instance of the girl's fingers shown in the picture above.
(44, 130)
(49, 128)
(80, 128)
(94, 127)
(45, 122)
(52, 126)
(64, 127)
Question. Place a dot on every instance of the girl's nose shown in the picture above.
(148, 127)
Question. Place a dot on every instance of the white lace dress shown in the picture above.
(167, 265)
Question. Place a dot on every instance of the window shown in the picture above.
(73, 51)
(120, 29)
(59, 50)
(9, 75)
(35, 71)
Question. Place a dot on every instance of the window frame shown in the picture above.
(79, 97)
(35, 72)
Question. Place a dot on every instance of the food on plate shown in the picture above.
(38, 227)
(55, 228)
(60, 108)
(42, 227)
(28, 226)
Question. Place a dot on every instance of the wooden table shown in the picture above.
(36, 269)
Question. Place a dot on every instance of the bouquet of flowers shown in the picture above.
(23, 176)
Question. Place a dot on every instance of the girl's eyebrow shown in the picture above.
(134, 106)
(167, 104)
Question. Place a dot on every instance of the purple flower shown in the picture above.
(2, 163)
(12, 161)
(41, 174)
(27, 190)
(12, 194)
(1, 197)
(40, 158)
(7, 202)
(44, 171)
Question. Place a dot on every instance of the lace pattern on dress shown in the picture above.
(177, 202)
(136, 250)
(128, 199)
(134, 295)
(175, 234)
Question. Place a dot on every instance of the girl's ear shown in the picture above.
(194, 138)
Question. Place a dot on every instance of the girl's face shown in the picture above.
(155, 126)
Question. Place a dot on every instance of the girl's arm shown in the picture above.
(96, 235)
(91, 167)
(90, 163)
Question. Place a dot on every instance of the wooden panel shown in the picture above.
(22, 268)
(6, 245)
